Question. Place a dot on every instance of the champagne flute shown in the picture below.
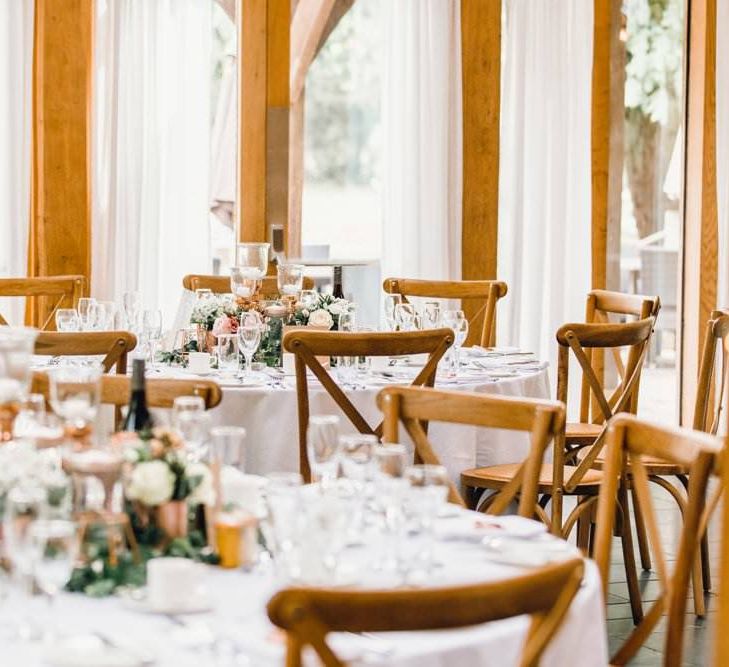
(391, 303)
(152, 332)
(249, 338)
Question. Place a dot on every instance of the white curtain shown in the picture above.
(722, 147)
(16, 79)
(544, 185)
(151, 148)
(422, 139)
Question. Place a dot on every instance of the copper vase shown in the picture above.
(171, 517)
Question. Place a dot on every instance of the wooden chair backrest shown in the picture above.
(581, 339)
(721, 638)
(221, 284)
(488, 291)
(56, 291)
(415, 407)
(717, 336)
(115, 345)
(629, 440)
(307, 345)
(605, 307)
(309, 614)
(115, 390)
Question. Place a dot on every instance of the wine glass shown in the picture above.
(55, 544)
(132, 303)
(75, 393)
(109, 321)
(249, 338)
(152, 332)
(431, 315)
(290, 279)
(308, 298)
(322, 443)
(405, 316)
(391, 303)
(456, 320)
(228, 354)
(390, 463)
(86, 313)
(194, 429)
(67, 320)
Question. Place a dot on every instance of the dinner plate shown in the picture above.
(90, 651)
(527, 553)
(474, 527)
(138, 601)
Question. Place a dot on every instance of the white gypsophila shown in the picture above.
(338, 307)
(321, 318)
(229, 307)
(203, 494)
(206, 309)
(18, 462)
(151, 483)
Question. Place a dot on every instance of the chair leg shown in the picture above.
(705, 563)
(643, 548)
(631, 575)
(583, 531)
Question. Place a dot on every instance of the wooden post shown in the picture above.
(700, 233)
(60, 229)
(481, 67)
(263, 101)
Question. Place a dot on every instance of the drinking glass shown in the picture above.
(391, 303)
(357, 456)
(228, 354)
(75, 392)
(249, 338)
(184, 404)
(227, 446)
(194, 428)
(431, 315)
(11, 396)
(322, 443)
(391, 460)
(86, 313)
(152, 332)
(347, 321)
(67, 320)
(456, 320)
(243, 282)
(308, 298)
(109, 321)
(252, 258)
(405, 316)
(35, 424)
(16, 354)
(281, 527)
(56, 546)
(346, 371)
(290, 278)
(132, 303)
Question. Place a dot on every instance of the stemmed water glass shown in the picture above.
(86, 313)
(391, 303)
(322, 444)
(290, 278)
(456, 320)
(152, 332)
(431, 315)
(67, 320)
(249, 338)
(405, 316)
(132, 303)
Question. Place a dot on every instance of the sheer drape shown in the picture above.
(722, 148)
(544, 185)
(16, 79)
(422, 138)
(151, 147)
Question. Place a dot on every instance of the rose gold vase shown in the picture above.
(171, 517)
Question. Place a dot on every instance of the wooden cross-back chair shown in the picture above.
(630, 443)
(488, 291)
(542, 420)
(160, 393)
(721, 638)
(56, 291)
(308, 345)
(221, 284)
(309, 614)
(115, 345)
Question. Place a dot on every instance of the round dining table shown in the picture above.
(230, 626)
(267, 408)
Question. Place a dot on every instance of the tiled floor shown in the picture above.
(698, 631)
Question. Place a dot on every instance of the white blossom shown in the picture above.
(151, 483)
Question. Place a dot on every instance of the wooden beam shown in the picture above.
(700, 233)
(608, 94)
(307, 28)
(60, 230)
(263, 101)
(481, 71)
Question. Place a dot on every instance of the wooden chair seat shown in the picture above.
(582, 434)
(495, 477)
(652, 464)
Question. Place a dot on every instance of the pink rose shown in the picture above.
(222, 326)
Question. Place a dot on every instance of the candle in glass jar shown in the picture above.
(235, 538)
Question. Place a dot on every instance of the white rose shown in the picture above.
(204, 494)
(338, 307)
(321, 318)
(151, 483)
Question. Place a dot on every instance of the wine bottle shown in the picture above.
(138, 417)
(337, 292)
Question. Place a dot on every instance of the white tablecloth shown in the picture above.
(237, 625)
(270, 417)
